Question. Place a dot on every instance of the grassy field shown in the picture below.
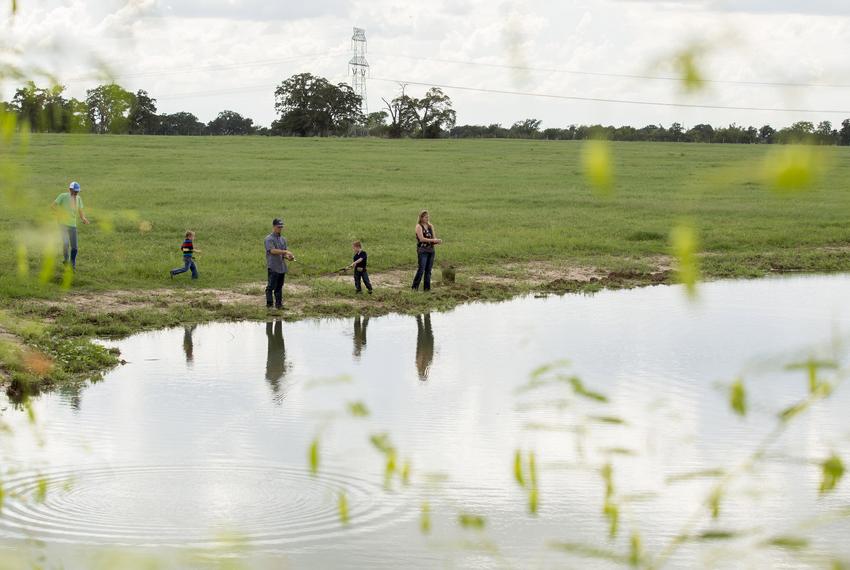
(501, 207)
(494, 203)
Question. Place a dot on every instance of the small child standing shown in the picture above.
(188, 249)
(359, 265)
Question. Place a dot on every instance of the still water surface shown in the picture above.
(202, 438)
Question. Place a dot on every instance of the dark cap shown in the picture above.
(277, 222)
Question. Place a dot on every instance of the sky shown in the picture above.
(205, 57)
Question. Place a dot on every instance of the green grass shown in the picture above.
(492, 201)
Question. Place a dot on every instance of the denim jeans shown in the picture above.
(426, 262)
(69, 242)
(275, 289)
(364, 275)
(188, 264)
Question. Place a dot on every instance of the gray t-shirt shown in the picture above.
(275, 262)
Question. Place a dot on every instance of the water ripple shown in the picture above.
(183, 505)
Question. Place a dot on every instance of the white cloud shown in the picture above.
(229, 54)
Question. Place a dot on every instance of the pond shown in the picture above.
(199, 448)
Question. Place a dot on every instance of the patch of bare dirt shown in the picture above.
(539, 274)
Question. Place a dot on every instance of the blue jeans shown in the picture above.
(188, 264)
(364, 275)
(69, 242)
(274, 289)
(426, 262)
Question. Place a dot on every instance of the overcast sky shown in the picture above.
(206, 56)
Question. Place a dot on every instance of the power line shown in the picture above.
(606, 100)
(615, 75)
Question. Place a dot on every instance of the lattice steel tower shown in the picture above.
(359, 66)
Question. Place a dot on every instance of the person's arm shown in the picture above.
(284, 252)
(83, 217)
(436, 240)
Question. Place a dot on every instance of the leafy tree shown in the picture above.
(401, 114)
(766, 134)
(108, 107)
(142, 118)
(653, 133)
(376, 123)
(231, 123)
(799, 132)
(676, 132)
(701, 133)
(432, 113)
(825, 133)
(28, 103)
(55, 114)
(844, 133)
(47, 110)
(181, 123)
(526, 129)
(312, 106)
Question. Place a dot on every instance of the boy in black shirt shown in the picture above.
(359, 265)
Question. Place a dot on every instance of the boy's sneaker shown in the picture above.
(370, 291)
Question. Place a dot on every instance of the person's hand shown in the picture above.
(438, 241)
(86, 221)
(289, 256)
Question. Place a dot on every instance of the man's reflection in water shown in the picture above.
(188, 346)
(360, 334)
(424, 345)
(276, 357)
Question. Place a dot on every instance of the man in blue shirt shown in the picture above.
(276, 256)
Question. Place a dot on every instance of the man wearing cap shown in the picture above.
(69, 205)
(276, 256)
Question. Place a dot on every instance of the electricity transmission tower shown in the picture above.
(359, 67)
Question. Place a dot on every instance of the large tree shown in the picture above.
(401, 111)
(526, 129)
(433, 113)
(142, 118)
(181, 123)
(109, 106)
(376, 123)
(312, 106)
(766, 134)
(231, 123)
(28, 103)
(844, 133)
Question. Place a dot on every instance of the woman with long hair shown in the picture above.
(426, 239)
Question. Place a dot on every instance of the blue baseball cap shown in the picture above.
(75, 186)
(277, 222)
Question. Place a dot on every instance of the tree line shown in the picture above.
(309, 105)
(114, 110)
(800, 132)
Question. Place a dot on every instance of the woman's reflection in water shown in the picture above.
(360, 335)
(188, 345)
(424, 345)
(276, 357)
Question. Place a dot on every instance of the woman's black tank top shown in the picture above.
(423, 247)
